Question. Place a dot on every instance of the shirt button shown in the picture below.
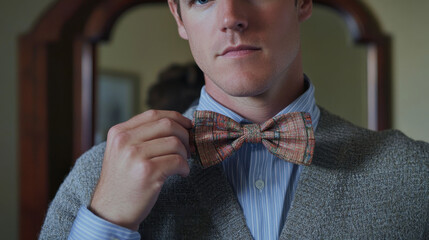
(259, 184)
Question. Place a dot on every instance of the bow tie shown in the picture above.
(215, 137)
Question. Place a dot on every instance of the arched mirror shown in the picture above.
(81, 51)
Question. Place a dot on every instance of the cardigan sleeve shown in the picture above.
(74, 192)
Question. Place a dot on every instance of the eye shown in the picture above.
(201, 2)
(198, 3)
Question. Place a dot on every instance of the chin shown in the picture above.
(245, 88)
(241, 82)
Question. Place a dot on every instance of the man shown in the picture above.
(360, 184)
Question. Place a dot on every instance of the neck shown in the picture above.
(266, 105)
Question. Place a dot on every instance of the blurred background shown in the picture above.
(129, 70)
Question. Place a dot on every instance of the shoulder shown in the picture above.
(74, 192)
(85, 174)
(356, 145)
(93, 156)
(89, 164)
(367, 177)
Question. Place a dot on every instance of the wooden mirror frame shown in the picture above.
(56, 90)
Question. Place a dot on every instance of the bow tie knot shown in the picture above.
(215, 137)
(252, 133)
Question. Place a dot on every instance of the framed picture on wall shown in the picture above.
(117, 100)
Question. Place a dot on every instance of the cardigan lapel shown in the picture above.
(312, 202)
(315, 194)
(221, 204)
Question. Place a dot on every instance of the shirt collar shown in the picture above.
(304, 103)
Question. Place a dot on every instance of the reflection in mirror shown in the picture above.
(145, 42)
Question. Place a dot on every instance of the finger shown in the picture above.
(171, 165)
(162, 128)
(154, 115)
(164, 146)
(149, 131)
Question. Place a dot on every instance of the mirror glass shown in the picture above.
(144, 43)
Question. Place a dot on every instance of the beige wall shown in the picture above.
(335, 65)
(135, 45)
(405, 21)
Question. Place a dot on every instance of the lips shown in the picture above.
(239, 50)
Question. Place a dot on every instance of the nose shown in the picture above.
(232, 15)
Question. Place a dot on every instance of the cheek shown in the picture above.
(199, 52)
(282, 20)
(195, 40)
(285, 36)
(201, 44)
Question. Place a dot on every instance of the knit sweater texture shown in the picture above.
(361, 184)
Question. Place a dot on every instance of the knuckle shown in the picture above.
(178, 159)
(177, 114)
(146, 167)
(166, 123)
(113, 131)
(174, 142)
(151, 114)
(133, 151)
(121, 138)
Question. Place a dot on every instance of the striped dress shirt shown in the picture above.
(88, 226)
(264, 184)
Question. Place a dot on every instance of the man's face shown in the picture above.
(244, 47)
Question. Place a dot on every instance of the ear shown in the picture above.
(175, 11)
(305, 8)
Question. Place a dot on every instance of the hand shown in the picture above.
(140, 155)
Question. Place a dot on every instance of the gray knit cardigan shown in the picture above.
(361, 185)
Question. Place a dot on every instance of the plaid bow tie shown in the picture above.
(215, 137)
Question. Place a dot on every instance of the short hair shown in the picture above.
(176, 88)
